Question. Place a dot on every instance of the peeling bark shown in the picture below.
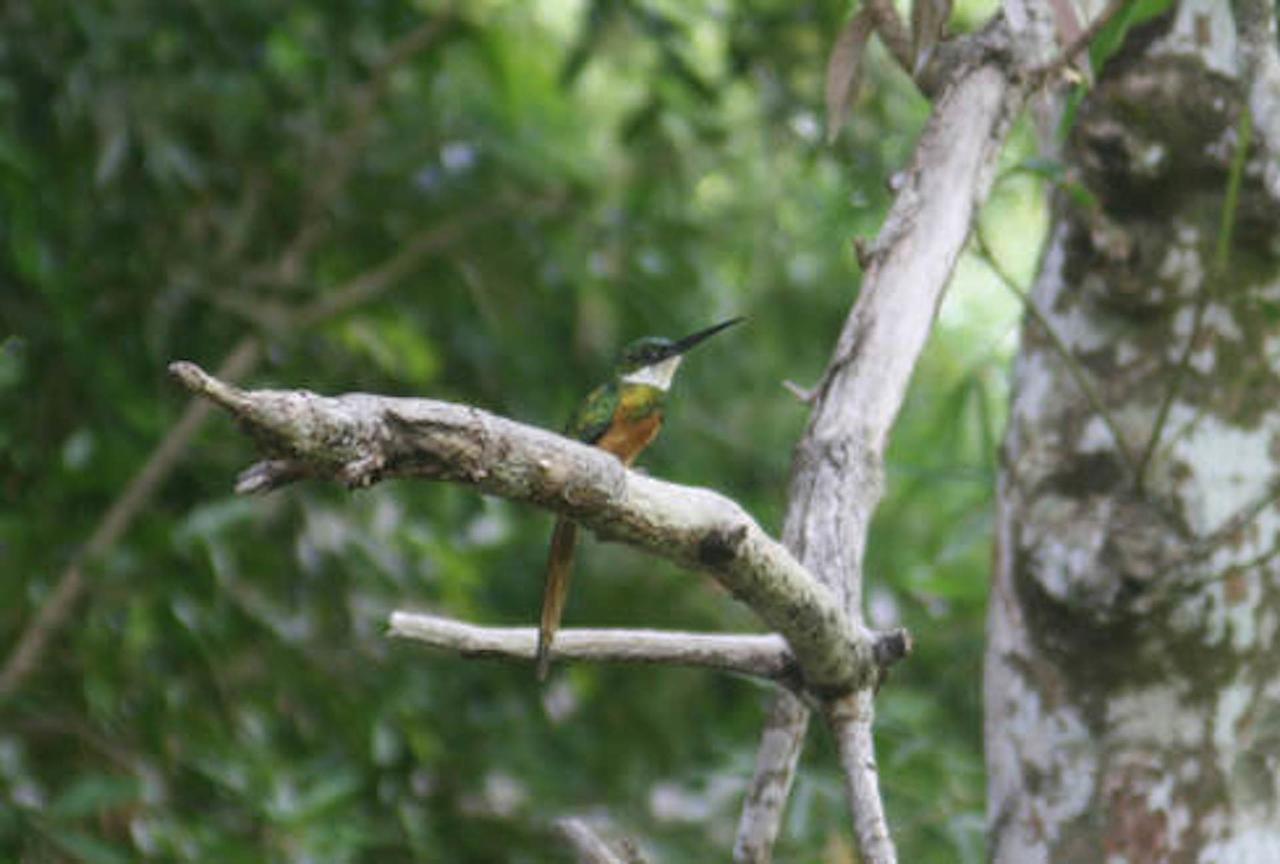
(1132, 681)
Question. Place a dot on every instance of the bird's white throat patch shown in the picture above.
(658, 375)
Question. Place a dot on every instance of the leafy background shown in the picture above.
(176, 177)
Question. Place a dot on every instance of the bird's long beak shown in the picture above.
(682, 345)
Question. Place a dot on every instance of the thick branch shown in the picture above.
(359, 439)
(836, 477)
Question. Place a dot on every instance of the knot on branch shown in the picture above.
(363, 472)
(720, 545)
(891, 646)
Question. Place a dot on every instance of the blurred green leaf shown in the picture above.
(89, 850)
(642, 168)
(92, 794)
(1111, 37)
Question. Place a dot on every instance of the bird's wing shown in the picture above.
(594, 414)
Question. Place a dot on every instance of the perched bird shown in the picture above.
(622, 417)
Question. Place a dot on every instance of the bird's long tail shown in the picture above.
(559, 569)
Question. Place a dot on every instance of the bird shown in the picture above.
(622, 417)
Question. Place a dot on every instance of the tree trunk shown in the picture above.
(1132, 672)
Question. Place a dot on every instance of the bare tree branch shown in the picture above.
(763, 656)
(849, 719)
(757, 656)
(837, 474)
(590, 847)
(776, 759)
(360, 439)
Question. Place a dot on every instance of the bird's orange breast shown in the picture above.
(627, 437)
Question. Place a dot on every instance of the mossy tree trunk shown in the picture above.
(1133, 670)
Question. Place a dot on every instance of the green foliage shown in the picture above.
(176, 177)
(1112, 36)
(1106, 45)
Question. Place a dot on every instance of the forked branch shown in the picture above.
(360, 439)
(763, 656)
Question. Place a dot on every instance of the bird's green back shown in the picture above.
(594, 414)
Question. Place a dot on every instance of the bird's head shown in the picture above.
(653, 360)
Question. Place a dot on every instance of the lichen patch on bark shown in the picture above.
(1132, 695)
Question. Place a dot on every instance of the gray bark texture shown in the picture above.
(360, 439)
(1132, 670)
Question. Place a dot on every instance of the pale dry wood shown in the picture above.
(757, 656)
(776, 758)
(359, 439)
(838, 467)
(849, 719)
(837, 475)
(588, 846)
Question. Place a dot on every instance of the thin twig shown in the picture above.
(757, 656)
(588, 846)
(849, 719)
(1076, 371)
(770, 786)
